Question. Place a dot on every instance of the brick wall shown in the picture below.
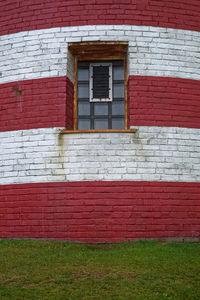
(101, 211)
(36, 14)
(150, 154)
(152, 51)
(29, 59)
(36, 103)
(153, 101)
(162, 101)
(69, 105)
(100, 187)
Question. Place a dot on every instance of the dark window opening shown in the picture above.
(101, 82)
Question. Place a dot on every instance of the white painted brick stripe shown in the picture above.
(151, 154)
(153, 51)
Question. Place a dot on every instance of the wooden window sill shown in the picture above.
(64, 131)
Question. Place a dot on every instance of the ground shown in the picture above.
(32, 269)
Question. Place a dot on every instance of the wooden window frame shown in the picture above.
(99, 51)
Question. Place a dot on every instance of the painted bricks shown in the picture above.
(48, 102)
(161, 101)
(101, 211)
(100, 187)
(36, 103)
(150, 154)
(31, 15)
(153, 51)
(69, 102)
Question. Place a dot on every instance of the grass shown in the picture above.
(139, 270)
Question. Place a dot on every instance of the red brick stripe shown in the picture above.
(16, 16)
(100, 211)
(38, 103)
(163, 101)
(152, 101)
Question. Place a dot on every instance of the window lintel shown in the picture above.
(99, 50)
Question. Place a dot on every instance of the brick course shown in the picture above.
(47, 102)
(36, 14)
(101, 211)
(162, 101)
(150, 154)
(152, 51)
(36, 103)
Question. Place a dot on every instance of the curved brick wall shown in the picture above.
(153, 51)
(38, 103)
(101, 211)
(36, 14)
(159, 62)
(100, 187)
(161, 101)
(152, 153)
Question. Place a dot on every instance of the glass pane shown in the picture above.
(118, 108)
(100, 123)
(118, 72)
(84, 124)
(118, 123)
(118, 90)
(83, 108)
(100, 109)
(83, 74)
(83, 90)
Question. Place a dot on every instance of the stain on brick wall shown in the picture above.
(36, 103)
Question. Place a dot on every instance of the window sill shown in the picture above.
(64, 131)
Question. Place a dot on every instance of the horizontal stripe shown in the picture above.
(48, 102)
(29, 15)
(161, 101)
(36, 103)
(150, 154)
(153, 51)
(101, 211)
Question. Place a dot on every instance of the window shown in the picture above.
(100, 86)
(100, 95)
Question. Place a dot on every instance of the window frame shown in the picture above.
(92, 116)
(99, 51)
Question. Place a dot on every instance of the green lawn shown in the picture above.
(138, 270)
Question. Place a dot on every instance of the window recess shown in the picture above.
(100, 86)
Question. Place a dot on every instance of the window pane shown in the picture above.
(100, 123)
(83, 74)
(84, 124)
(118, 108)
(118, 72)
(118, 123)
(83, 90)
(100, 109)
(83, 108)
(118, 90)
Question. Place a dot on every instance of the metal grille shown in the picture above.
(101, 82)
